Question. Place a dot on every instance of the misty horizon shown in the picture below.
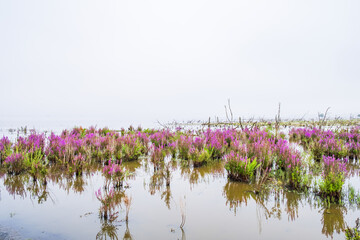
(141, 62)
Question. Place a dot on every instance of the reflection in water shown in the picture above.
(240, 194)
(127, 234)
(15, 185)
(156, 182)
(166, 196)
(110, 200)
(333, 220)
(160, 181)
(237, 194)
(68, 182)
(79, 184)
(38, 190)
(183, 236)
(108, 230)
(292, 204)
(270, 203)
(21, 185)
(198, 175)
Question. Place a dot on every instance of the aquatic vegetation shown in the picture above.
(184, 144)
(297, 177)
(131, 149)
(216, 141)
(353, 233)
(333, 178)
(78, 163)
(78, 149)
(353, 197)
(280, 170)
(161, 138)
(240, 168)
(200, 157)
(340, 144)
(15, 163)
(35, 163)
(158, 155)
(250, 153)
(5, 148)
(115, 174)
(30, 143)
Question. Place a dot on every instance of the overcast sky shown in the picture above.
(139, 61)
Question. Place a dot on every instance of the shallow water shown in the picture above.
(215, 208)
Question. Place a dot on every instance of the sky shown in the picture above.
(139, 62)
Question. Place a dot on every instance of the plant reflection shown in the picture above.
(292, 204)
(240, 194)
(110, 200)
(38, 190)
(15, 185)
(333, 220)
(127, 234)
(24, 184)
(199, 174)
(108, 229)
(160, 181)
(166, 196)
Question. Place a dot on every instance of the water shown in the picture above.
(215, 208)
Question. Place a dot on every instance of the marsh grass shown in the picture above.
(353, 233)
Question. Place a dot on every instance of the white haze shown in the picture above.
(136, 62)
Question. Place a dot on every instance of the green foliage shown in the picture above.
(298, 179)
(353, 233)
(241, 169)
(131, 153)
(5, 153)
(354, 198)
(34, 162)
(200, 157)
(331, 186)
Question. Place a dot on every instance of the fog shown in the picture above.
(139, 62)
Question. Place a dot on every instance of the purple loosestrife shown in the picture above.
(333, 178)
(56, 149)
(78, 164)
(240, 168)
(5, 148)
(328, 143)
(114, 173)
(296, 174)
(161, 138)
(284, 154)
(172, 147)
(131, 148)
(200, 157)
(261, 149)
(15, 163)
(216, 142)
(199, 143)
(157, 156)
(184, 144)
(31, 143)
